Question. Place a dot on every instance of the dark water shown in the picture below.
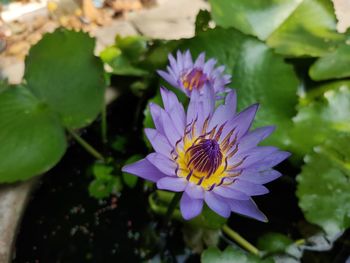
(62, 223)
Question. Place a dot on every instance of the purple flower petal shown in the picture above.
(169, 128)
(244, 119)
(217, 204)
(247, 208)
(200, 60)
(159, 142)
(155, 113)
(190, 207)
(175, 184)
(249, 188)
(253, 138)
(251, 157)
(174, 109)
(164, 164)
(271, 160)
(144, 169)
(259, 177)
(229, 192)
(168, 77)
(194, 191)
(225, 112)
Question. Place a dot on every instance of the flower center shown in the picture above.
(194, 79)
(204, 157)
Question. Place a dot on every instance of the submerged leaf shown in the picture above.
(230, 254)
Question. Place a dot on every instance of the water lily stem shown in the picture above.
(104, 123)
(240, 240)
(86, 146)
(172, 206)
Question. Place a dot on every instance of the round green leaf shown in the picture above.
(31, 137)
(258, 75)
(274, 242)
(321, 118)
(230, 255)
(62, 71)
(292, 27)
(332, 66)
(323, 186)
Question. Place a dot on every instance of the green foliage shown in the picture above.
(31, 136)
(119, 144)
(259, 75)
(230, 255)
(292, 27)
(105, 182)
(323, 185)
(202, 21)
(321, 117)
(62, 71)
(274, 242)
(208, 219)
(65, 88)
(334, 65)
(125, 55)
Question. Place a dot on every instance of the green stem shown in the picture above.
(104, 123)
(172, 206)
(86, 146)
(239, 240)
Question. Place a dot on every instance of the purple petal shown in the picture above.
(217, 204)
(175, 184)
(167, 77)
(169, 128)
(247, 208)
(155, 112)
(188, 60)
(195, 191)
(251, 157)
(173, 64)
(164, 164)
(193, 107)
(225, 112)
(253, 138)
(271, 160)
(228, 192)
(249, 188)
(190, 207)
(144, 169)
(244, 119)
(179, 59)
(200, 60)
(209, 66)
(174, 109)
(262, 177)
(159, 142)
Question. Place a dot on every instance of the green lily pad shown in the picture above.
(321, 117)
(332, 66)
(258, 75)
(274, 242)
(62, 71)
(230, 255)
(292, 27)
(32, 138)
(323, 186)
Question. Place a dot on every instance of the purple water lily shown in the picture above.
(209, 154)
(187, 75)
